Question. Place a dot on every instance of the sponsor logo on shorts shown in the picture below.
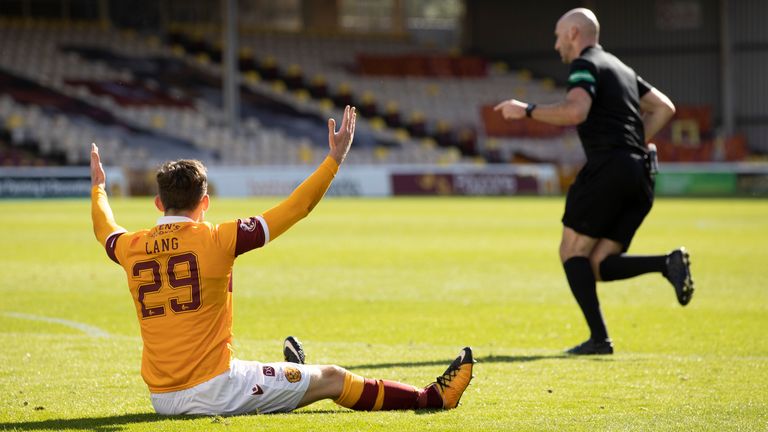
(293, 375)
(268, 371)
(256, 390)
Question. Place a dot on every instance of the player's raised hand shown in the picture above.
(511, 109)
(339, 142)
(98, 177)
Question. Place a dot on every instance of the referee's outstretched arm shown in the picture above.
(570, 112)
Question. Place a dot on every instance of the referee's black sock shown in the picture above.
(584, 288)
(616, 267)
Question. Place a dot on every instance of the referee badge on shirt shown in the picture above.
(293, 375)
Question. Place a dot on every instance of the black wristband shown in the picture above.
(529, 109)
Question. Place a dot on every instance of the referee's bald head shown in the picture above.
(585, 21)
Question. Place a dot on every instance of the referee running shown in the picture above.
(617, 113)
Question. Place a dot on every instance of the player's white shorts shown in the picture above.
(247, 387)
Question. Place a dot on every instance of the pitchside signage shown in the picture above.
(281, 181)
(388, 180)
(471, 180)
(742, 179)
(33, 182)
(52, 182)
(721, 179)
(753, 184)
(464, 184)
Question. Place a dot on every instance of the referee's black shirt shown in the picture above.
(614, 119)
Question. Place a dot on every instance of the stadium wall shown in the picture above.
(720, 180)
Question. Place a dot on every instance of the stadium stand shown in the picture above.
(89, 83)
(690, 137)
(17, 150)
(435, 96)
(148, 98)
(36, 87)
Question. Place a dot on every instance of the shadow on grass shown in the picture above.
(486, 359)
(101, 424)
(115, 423)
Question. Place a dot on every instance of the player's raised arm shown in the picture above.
(340, 142)
(101, 214)
(306, 196)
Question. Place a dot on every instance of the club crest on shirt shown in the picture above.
(268, 371)
(293, 375)
(248, 225)
(257, 390)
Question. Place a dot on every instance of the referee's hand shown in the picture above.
(511, 109)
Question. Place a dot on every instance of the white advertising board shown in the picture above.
(281, 181)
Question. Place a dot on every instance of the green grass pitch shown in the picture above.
(393, 288)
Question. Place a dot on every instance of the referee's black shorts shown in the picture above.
(611, 196)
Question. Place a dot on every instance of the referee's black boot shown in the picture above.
(679, 274)
(591, 346)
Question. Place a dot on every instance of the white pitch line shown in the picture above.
(85, 328)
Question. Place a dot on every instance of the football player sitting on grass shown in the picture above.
(180, 277)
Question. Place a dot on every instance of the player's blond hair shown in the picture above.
(182, 184)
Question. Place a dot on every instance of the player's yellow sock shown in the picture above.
(363, 394)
